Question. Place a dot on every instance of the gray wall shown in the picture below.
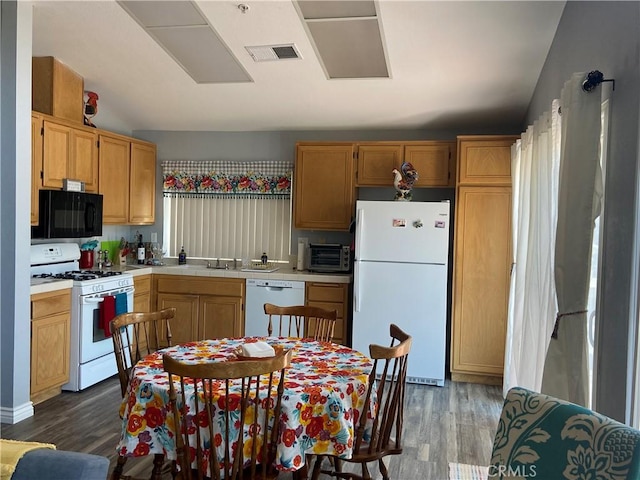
(605, 36)
(15, 171)
(239, 146)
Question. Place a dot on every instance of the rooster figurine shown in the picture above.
(403, 181)
(90, 107)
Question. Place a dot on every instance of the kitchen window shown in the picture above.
(227, 210)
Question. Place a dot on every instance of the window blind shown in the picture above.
(228, 209)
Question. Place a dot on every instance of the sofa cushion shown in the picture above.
(46, 464)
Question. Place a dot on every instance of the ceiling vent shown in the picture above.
(264, 53)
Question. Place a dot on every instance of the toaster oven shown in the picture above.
(328, 258)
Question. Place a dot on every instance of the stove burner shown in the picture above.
(78, 275)
(100, 273)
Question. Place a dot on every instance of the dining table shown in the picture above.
(323, 398)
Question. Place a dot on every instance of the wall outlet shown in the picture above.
(154, 237)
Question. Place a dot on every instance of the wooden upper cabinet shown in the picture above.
(114, 179)
(127, 180)
(142, 188)
(56, 89)
(485, 160)
(56, 153)
(83, 164)
(376, 163)
(36, 166)
(69, 152)
(324, 186)
(434, 161)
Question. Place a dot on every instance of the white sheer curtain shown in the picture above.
(532, 300)
(579, 204)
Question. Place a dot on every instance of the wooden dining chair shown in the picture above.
(136, 335)
(385, 399)
(229, 394)
(148, 333)
(301, 320)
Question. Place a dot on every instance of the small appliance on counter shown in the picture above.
(328, 257)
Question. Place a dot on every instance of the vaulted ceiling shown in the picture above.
(386, 64)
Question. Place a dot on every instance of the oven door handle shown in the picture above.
(92, 300)
(96, 300)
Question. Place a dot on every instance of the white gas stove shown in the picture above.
(91, 354)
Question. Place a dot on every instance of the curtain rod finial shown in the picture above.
(595, 78)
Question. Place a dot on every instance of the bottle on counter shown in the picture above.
(264, 259)
(141, 251)
(182, 257)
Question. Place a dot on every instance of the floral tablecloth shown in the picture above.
(322, 401)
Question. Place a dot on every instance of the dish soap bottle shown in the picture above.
(182, 257)
(264, 259)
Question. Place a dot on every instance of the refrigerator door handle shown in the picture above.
(356, 286)
(359, 232)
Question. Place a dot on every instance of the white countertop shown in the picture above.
(40, 285)
(200, 270)
(43, 285)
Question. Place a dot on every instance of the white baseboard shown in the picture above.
(17, 414)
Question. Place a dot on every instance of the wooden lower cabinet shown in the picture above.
(481, 283)
(50, 343)
(331, 296)
(205, 308)
(142, 293)
(221, 317)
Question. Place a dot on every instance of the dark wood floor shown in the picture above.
(454, 423)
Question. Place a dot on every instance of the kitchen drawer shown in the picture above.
(142, 284)
(229, 287)
(50, 303)
(326, 292)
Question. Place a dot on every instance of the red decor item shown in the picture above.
(107, 313)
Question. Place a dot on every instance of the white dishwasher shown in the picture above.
(283, 293)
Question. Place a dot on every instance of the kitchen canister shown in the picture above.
(86, 259)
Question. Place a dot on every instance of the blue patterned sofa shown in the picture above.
(544, 438)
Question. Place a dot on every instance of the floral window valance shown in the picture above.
(181, 177)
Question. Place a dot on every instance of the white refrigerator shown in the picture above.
(400, 276)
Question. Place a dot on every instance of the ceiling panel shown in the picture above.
(184, 33)
(322, 9)
(164, 13)
(201, 53)
(350, 48)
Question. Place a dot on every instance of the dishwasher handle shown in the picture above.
(276, 289)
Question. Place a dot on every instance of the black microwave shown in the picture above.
(65, 214)
(328, 257)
